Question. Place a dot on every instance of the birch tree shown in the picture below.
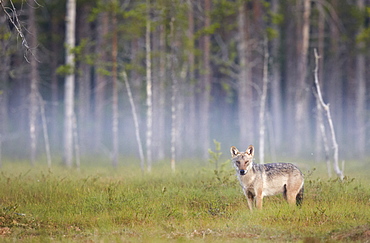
(114, 88)
(263, 104)
(69, 83)
(174, 97)
(149, 111)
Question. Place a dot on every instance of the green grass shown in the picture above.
(105, 204)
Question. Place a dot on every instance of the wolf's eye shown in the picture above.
(237, 162)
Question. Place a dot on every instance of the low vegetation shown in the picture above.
(195, 203)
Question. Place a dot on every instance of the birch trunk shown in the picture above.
(136, 122)
(162, 93)
(149, 122)
(54, 82)
(263, 104)
(69, 83)
(326, 108)
(115, 92)
(173, 97)
(320, 43)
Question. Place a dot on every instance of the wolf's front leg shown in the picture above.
(250, 200)
(259, 199)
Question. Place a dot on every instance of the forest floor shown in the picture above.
(104, 204)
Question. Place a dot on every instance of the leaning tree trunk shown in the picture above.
(136, 122)
(69, 83)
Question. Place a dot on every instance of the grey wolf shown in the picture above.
(259, 180)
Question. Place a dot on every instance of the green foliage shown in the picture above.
(221, 171)
(64, 70)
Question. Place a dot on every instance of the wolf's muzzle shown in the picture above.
(242, 172)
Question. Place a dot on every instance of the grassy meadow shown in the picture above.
(197, 203)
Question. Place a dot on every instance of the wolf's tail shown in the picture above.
(299, 197)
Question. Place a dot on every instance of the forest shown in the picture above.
(162, 79)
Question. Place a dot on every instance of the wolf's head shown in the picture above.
(242, 161)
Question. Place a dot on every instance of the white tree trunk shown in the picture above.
(69, 83)
(326, 107)
(136, 122)
(115, 92)
(174, 118)
(149, 122)
(45, 130)
(263, 104)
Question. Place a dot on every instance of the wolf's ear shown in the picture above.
(250, 150)
(234, 151)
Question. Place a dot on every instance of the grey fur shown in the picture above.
(259, 180)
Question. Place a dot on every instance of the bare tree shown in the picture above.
(326, 108)
(69, 82)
